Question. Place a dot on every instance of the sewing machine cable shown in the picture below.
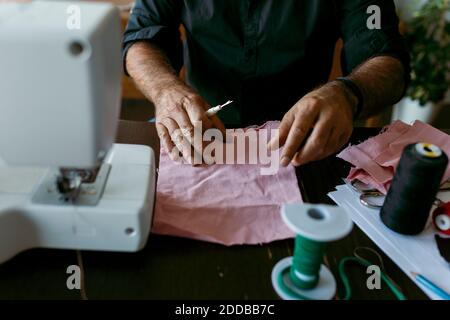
(348, 290)
(82, 286)
(359, 256)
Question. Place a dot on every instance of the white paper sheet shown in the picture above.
(411, 253)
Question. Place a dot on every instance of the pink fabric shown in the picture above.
(376, 159)
(226, 204)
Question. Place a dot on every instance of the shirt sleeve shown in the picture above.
(362, 43)
(158, 22)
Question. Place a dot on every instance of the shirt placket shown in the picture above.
(251, 37)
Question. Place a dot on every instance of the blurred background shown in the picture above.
(426, 26)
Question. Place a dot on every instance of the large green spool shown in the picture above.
(307, 259)
(304, 276)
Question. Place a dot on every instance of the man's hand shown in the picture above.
(317, 126)
(179, 110)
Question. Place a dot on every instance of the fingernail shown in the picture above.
(285, 161)
(269, 145)
(174, 157)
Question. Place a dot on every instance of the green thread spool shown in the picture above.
(307, 259)
(303, 276)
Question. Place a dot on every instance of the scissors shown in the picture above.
(368, 196)
(374, 199)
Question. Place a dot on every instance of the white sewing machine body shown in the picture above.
(62, 86)
(119, 222)
(63, 183)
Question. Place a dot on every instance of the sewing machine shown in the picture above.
(63, 183)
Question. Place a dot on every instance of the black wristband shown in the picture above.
(353, 87)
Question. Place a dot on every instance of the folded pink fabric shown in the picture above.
(376, 159)
(226, 204)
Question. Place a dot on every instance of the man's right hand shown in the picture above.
(179, 110)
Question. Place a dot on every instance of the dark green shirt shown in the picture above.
(263, 54)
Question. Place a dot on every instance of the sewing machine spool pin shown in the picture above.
(318, 225)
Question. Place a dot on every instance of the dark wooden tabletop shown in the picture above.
(176, 268)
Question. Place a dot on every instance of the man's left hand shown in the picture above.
(317, 126)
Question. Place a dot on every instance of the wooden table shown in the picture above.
(174, 268)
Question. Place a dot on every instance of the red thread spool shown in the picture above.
(441, 219)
